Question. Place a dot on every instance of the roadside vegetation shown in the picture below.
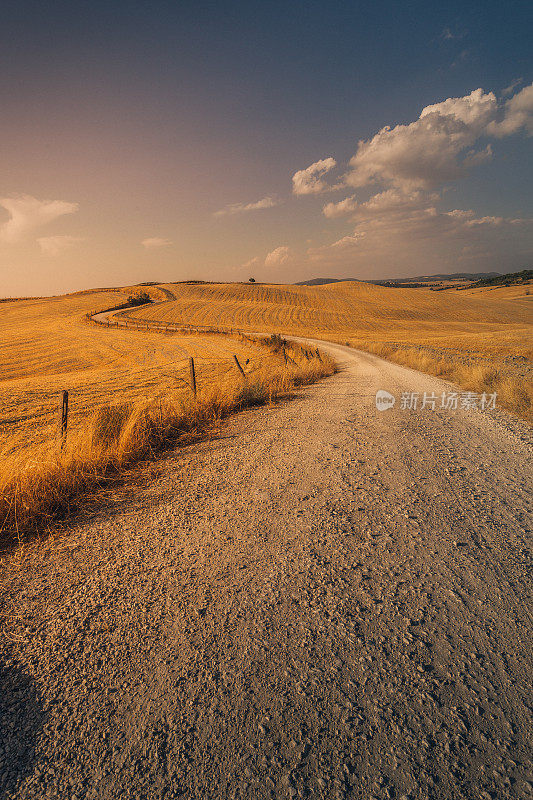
(479, 338)
(122, 413)
(477, 375)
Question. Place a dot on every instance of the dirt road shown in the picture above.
(324, 601)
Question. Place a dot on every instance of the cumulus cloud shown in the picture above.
(440, 145)
(26, 213)
(518, 114)
(427, 152)
(349, 241)
(156, 241)
(390, 202)
(407, 167)
(54, 245)
(278, 256)
(340, 209)
(240, 208)
(310, 180)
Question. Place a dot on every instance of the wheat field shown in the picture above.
(479, 338)
(347, 308)
(129, 395)
(128, 388)
(46, 346)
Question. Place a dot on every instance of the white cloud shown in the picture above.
(27, 213)
(278, 256)
(394, 229)
(239, 208)
(389, 202)
(349, 241)
(440, 145)
(54, 245)
(340, 209)
(403, 221)
(156, 241)
(426, 152)
(518, 113)
(309, 180)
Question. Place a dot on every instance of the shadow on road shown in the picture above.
(21, 718)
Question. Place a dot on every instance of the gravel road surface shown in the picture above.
(322, 601)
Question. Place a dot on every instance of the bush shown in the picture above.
(139, 299)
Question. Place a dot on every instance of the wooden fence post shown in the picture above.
(64, 417)
(243, 373)
(193, 375)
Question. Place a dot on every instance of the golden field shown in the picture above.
(128, 388)
(479, 338)
(128, 393)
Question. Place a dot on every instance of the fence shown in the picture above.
(191, 378)
(160, 326)
(190, 381)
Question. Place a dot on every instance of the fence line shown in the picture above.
(157, 325)
(192, 382)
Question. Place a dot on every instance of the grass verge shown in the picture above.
(513, 392)
(43, 484)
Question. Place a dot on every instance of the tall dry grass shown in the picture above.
(478, 339)
(513, 392)
(40, 484)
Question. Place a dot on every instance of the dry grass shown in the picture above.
(342, 308)
(513, 392)
(45, 347)
(39, 481)
(128, 388)
(479, 338)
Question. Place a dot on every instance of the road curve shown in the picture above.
(323, 601)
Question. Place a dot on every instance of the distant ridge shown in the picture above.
(454, 276)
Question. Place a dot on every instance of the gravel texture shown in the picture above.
(322, 601)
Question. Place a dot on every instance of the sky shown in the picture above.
(170, 141)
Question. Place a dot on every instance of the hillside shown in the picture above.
(349, 310)
(474, 338)
(524, 276)
(455, 276)
(46, 346)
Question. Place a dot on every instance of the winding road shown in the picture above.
(324, 600)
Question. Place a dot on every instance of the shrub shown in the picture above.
(139, 299)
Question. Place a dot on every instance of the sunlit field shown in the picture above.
(129, 392)
(479, 338)
(45, 347)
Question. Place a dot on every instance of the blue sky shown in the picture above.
(141, 121)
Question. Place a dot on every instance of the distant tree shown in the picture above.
(251, 280)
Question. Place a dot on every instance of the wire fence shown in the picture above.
(32, 411)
